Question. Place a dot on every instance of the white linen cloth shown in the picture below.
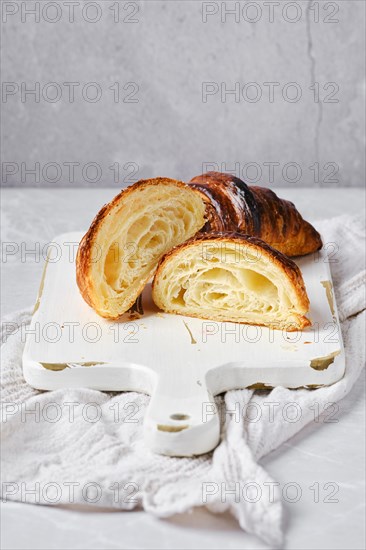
(100, 456)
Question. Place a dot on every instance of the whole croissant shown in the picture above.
(231, 205)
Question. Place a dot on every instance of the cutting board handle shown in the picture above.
(182, 418)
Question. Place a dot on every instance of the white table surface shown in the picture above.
(322, 452)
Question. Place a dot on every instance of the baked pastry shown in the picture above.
(234, 206)
(231, 277)
(122, 248)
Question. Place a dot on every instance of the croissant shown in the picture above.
(232, 277)
(234, 206)
(122, 248)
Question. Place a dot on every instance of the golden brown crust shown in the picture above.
(234, 206)
(87, 245)
(284, 263)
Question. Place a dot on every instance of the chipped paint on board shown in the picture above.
(193, 341)
(329, 292)
(322, 363)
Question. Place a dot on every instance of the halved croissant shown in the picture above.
(127, 238)
(231, 277)
(234, 206)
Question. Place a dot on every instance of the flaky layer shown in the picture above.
(126, 240)
(235, 278)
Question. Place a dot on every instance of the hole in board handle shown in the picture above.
(178, 416)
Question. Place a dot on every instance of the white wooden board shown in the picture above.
(180, 361)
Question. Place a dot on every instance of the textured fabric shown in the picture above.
(100, 456)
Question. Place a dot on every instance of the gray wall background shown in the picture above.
(168, 50)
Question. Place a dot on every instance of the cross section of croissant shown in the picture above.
(226, 277)
(234, 206)
(122, 248)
